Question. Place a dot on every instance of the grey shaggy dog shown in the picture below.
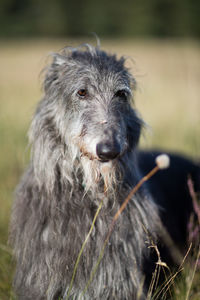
(84, 136)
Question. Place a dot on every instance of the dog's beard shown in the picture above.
(100, 177)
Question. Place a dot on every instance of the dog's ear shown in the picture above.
(51, 80)
(59, 59)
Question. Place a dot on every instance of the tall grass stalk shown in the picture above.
(170, 280)
(192, 276)
(82, 248)
(118, 213)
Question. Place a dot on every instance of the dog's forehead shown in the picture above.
(100, 67)
(100, 59)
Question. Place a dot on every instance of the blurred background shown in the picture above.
(161, 40)
(113, 18)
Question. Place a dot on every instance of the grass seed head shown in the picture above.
(163, 161)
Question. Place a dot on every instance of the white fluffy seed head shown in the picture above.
(163, 161)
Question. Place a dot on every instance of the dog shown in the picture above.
(84, 138)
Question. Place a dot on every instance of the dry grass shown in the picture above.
(168, 75)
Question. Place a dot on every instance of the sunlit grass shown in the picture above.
(168, 76)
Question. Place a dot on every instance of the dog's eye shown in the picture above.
(121, 94)
(82, 93)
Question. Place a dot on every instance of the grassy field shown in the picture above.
(168, 76)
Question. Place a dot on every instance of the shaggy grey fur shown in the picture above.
(83, 138)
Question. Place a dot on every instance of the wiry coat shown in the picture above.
(60, 192)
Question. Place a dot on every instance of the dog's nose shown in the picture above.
(107, 151)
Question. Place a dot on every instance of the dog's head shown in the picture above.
(86, 118)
